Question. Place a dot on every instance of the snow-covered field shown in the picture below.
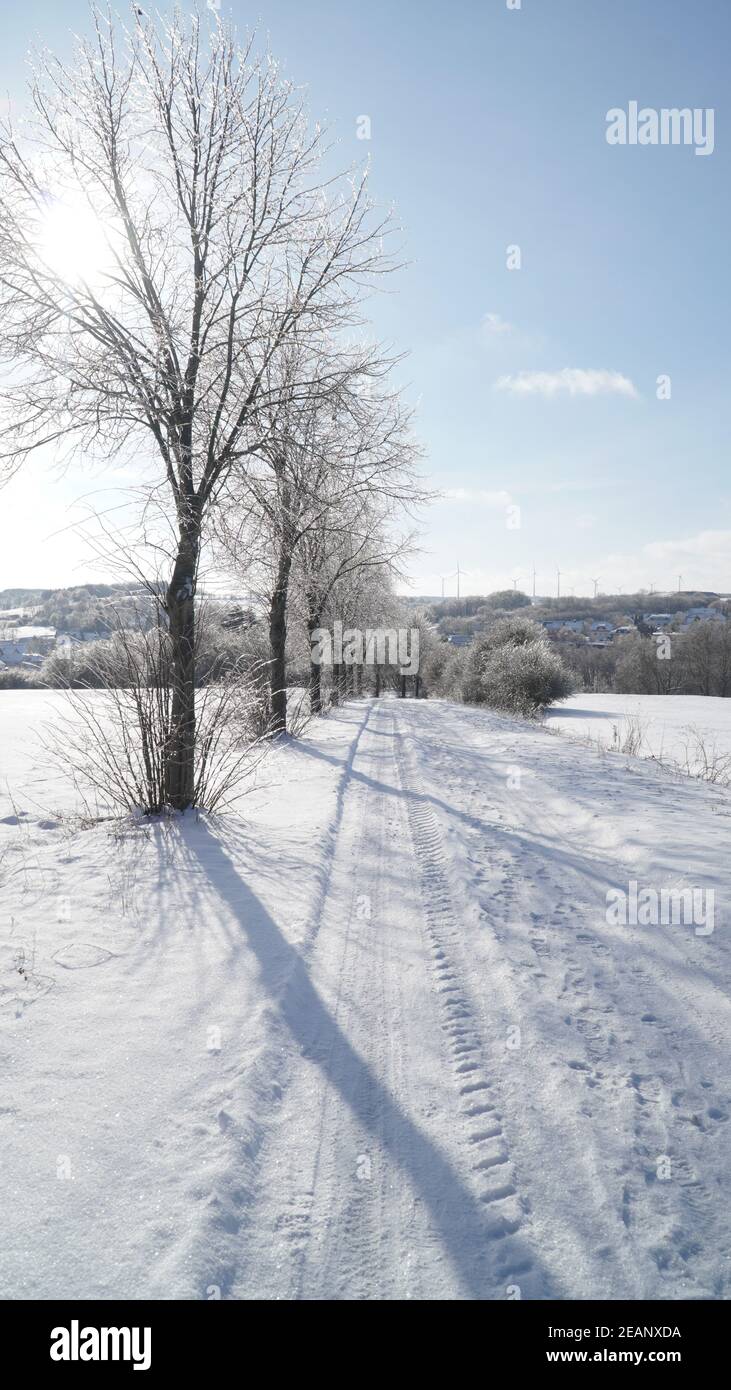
(373, 1036)
(668, 726)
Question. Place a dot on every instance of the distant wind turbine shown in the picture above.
(465, 574)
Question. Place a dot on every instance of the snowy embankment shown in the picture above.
(676, 729)
(371, 1037)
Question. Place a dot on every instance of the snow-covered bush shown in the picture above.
(59, 669)
(15, 678)
(524, 678)
(221, 647)
(441, 670)
(515, 631)
(97, 665)
(117, 731)
(514, 668)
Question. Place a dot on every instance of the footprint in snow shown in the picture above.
(81, 955)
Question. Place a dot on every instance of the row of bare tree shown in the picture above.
(201, 323)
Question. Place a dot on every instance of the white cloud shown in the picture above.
(571, 381)
(703, 561)
(700, 561)
(478, 495)
(707, 546)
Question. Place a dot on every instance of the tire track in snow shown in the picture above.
(526, 956)
(318, 1227)
(476, 1099)
(438, 1214)
(668, 1225)
(340, 1247)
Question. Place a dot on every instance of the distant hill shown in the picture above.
(22, 598)
(93, 608)
(85, 607)
(26, 598)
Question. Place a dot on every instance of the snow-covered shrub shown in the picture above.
(440, 670)
(469, 675)
(59, 669)
(119, 726)
(515, 631)
(456, 674)
(15, 678)
(298, 710)
(524, 678)
(222, 647)
(80, 667)
(514, 667)
(506, 632)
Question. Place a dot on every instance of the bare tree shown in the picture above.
(323, 462)
(165, 231)
(336, 560)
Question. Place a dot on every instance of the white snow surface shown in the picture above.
(371, 1037)
(668, 725)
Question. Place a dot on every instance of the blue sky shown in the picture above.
(488, 130)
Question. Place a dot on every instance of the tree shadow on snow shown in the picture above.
(459, 1218)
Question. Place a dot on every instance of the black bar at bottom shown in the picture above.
(114, 1338)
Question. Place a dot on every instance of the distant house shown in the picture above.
(563, 624)
(13, 653)
(75, 636)
(42, 639)
(703, 615)
(656, 620)
(459, 639)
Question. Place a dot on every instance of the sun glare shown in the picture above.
(73, 243)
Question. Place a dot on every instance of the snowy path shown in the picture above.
(373, 1038)
(367, 1190)
(419, 1151)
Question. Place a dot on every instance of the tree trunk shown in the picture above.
(277, 643)
(179, 755)
(315, 688)
(336, 686)
(313, 623)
